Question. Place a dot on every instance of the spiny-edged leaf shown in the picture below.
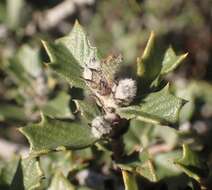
(192, 165)
(28, 175)
(171, 61)
(69, 54)
(58, 107)
(150, 63)
(78, 44)
(157, 107)
(59, 182)
(23, 174)
(140, 163)
(129, 180)
(64, 63)
(51, 134)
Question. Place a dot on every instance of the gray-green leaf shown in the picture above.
(150, 63)
(28, 175)
(64, 63)
(171, 61)
(78, 44)
(53, 134)
(69, 54)
(157, 107)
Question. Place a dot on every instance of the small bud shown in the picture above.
(125, 91)
(100, 127)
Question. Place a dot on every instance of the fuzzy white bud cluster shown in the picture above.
(125, 91)
(100, 77)
(100, 127)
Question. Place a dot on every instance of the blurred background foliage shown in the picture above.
(121, 26)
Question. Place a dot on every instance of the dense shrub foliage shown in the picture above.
(126, 114)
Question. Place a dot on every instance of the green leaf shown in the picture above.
(88, 109)
(142, 134)
(17, 72)
(78, 44)
(30, 60)
(168, 134)
(63, 162)
(21, 174)
(155, 61)
(157, 107)
(59, 182)
(150, 63)
(69, 54)
(8, 171)
(192, 165)
(58, 107)
(28, 175)
(139, 134)
(64, 63)
(53, 134)
(132, 112)
(171, 61)
(139, 163)
(164, 164)
(25, 68)
(129, 180)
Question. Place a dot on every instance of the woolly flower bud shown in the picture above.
(125, 91)
(100, 127)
